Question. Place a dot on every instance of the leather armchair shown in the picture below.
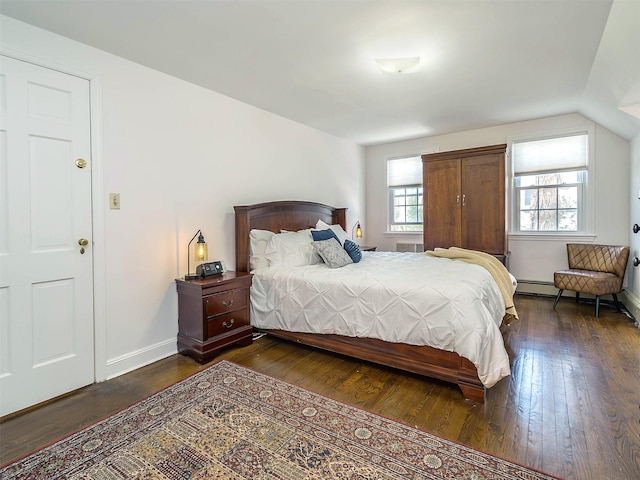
(593, 269)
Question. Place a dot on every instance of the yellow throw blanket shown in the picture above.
(497, 270)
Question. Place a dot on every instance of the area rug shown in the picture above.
(229, 422)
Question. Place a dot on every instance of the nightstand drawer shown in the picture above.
(224, 302)
(227, 322)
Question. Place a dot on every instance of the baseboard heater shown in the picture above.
(410, 247)
(534, 287)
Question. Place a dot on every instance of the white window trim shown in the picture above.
(563, 237)
(588, 233)
(403, 234)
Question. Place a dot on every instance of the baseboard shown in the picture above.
(631, 302)
(140, 358)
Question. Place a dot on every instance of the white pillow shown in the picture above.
(258, 240)
(291, 249)
(337, 229)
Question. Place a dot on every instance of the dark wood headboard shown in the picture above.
(283, 215)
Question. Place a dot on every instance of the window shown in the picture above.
(550, 178)
(404, 181)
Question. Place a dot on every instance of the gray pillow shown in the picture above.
(332, 253)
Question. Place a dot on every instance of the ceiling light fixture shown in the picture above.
(399, 65)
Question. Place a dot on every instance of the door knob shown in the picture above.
(83, 241)
(636, 262)
(636, 228)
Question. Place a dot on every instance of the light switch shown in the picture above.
(114, 201)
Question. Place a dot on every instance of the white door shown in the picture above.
(46, 279)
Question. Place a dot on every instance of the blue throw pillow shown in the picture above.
(353, 250)
(320, 235)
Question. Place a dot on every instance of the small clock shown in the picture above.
(209, 269)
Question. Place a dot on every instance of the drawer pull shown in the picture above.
(224, 324)
(227, 304)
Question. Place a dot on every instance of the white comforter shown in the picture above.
(397, 297)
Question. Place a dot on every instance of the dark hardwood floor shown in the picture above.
(571, 407)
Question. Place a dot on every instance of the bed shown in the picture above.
(443, 364)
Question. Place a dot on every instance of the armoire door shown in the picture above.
(483, 204)
(46, 271)
(442, 203)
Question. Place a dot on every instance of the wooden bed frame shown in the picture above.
(423, 360)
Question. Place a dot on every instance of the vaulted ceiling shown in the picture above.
(483, 63)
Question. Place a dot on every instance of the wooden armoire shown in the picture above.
(465, 200)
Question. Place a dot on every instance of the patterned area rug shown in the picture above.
(229, 422)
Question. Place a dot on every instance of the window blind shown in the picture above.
(550, 155)
(404, 171)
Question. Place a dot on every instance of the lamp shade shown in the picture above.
(356, 231)
(201, 249)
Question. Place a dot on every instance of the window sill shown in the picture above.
(401, 234)
(552, 237)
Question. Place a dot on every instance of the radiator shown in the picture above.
(409, 247)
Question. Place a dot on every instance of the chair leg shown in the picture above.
(557, 298)
(597, 305)
(615, 298)
(577, 297)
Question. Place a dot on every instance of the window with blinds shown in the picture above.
(549, 179)
(404, 182)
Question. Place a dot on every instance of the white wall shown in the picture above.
(181, 157)
(633, 273)
(530, 260)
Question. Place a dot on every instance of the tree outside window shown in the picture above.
(549, 202)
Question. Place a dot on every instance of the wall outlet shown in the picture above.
(114, 201)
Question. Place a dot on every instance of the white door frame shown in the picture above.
(97, 204)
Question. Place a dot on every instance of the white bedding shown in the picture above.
(397, 297)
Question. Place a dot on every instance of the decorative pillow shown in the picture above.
(291, 249)
(258, 240)
(319, 235)
(353, 249)
(337, 229)
(332, 253)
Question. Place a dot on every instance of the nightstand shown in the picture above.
(213, 313)
(366, 248)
